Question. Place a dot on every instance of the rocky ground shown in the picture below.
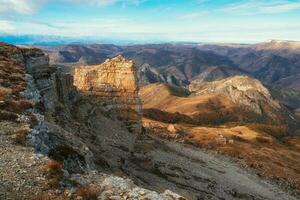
(199, 174)
(21, 173)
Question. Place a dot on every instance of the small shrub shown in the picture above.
(4, 115)
(88, 193)
(273, 130)
(47, 196)
(261, 139)
(33, 120)
(19, 106)
(239, 138)
(53, 182)
(54, 167)
(4, 92)
(178, 91)
(21, 136)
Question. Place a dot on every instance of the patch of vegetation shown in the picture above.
(4, 92)
(88, 193)
(54, 167)
(18, 106)
(21, 136)
(4, 115)
(262, 139)
(277, 131)
(178, 91)
(54, 174)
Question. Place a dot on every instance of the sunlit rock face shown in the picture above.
(114, 83)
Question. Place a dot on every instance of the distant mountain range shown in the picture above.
(52, 40)
(275, 63)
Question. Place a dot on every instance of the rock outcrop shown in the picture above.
(40, 99)
(114, 84)
(242, 90)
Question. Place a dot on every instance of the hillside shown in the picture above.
(226, 116)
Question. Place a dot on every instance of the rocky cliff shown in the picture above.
(114, 84)
(243, 91)
(42, 141)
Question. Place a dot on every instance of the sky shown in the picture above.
(210, 21)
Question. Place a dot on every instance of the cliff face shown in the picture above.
(37, 123)
(114, 84)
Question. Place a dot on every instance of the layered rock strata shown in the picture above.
(114, 83)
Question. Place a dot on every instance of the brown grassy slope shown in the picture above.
(162, 104)
(271, 157)
(260, 146)
(161, 97)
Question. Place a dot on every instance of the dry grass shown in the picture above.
(21, 136)
(53, 173)
(53, 182)
(274, 130)
(18, 106)
(48, 196)
(88, 193)
(4, 92)
(271, 157)
(4, 115)
(54, 167)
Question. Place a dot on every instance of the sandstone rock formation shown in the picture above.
(114, 83)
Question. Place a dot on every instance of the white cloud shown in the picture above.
(281, 7)
(104, 2)
(28, 7)
(20, 6)
(192, 15)
(262, 6)
(6, 26)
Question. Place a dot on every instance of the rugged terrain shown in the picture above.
(236, 116)
(45, 152)
(274, 63)
(65, 137)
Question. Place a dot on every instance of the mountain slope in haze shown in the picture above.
(271, 62)
(175, 64)
(274, 63)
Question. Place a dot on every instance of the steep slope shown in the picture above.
(45, 152)
(235, 99)
(233, 116)
(271, 62)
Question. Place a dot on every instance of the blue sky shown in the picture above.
(154, 20)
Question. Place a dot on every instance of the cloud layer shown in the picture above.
(165, 21)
